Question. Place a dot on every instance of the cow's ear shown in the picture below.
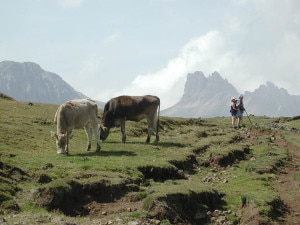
(53, 134)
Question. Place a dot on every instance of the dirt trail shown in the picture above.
(289, 188)
(286, 185)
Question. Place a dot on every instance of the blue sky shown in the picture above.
(105, 48)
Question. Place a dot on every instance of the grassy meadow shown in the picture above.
(204, 161)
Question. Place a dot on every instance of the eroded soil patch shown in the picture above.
(160, 174)
(224, 160)
(74, 199)
(186, 209)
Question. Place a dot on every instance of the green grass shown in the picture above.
(293, 139)
(266, 159)
(27, 144)
(297, 176)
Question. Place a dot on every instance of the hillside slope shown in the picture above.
(200, 172)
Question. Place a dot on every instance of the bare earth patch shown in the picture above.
(125, 205)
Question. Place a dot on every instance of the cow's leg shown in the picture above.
(150, 128)
(97, 135)
(122, 123)
(156, 139)
(67, 142)
(88, 131)
(149, 135)
(152, 125)
(156, 128)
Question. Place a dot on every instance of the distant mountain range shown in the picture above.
(29, 82)
(210, 97)
(203, 96)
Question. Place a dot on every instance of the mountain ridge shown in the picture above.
(203, 96)
(210, 97)
(27, 81)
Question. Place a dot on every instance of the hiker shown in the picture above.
(233, 111)
(240, 110)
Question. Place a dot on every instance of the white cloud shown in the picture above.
(247, 51)
(168, 83)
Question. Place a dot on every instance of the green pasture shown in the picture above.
(26, 144)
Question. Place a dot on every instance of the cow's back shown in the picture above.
(132, 107)
(76, 114)
(84, 112)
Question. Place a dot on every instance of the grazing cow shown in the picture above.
(133, 108)
(76, 114)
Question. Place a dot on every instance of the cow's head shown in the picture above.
(107, 123)
(104, 131)
(61, 142)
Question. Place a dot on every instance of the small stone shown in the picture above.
(272, 138)
(133, 223)
(155, 222)
(216, 213)
(221, 219)
(119, 221)
(213, 219)
(225, 181)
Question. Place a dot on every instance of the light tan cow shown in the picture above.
(133, 108)
(76, 114)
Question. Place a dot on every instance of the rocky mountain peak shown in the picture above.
(17, 66)
(27, 81)
(203, 96)
(193, 83)
(215, 76)
(210, 97)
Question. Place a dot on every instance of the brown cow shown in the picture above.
(76, 114)
(133, 108)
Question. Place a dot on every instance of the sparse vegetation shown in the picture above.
(199, 165)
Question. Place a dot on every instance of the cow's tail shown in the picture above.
(157, 121)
